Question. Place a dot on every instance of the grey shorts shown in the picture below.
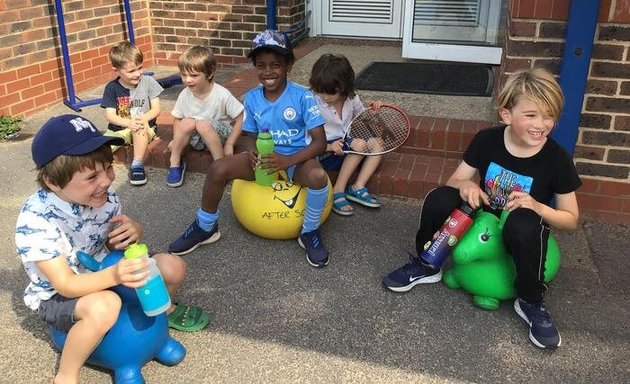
(222, 129)
(58, 311)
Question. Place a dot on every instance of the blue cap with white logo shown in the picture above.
(68, 135)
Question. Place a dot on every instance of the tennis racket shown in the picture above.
(377, 131)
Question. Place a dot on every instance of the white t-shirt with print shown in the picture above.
(48, 227)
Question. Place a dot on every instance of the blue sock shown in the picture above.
(137, 164)
(315, 203)
(206, 219)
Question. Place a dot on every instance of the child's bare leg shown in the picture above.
(182, 131)
(370, 165)
(367, 170)
(312, 175)
(140, 143)
(219, 173)
(350, 163)
(96, 313)
(210, 138)
(173, 270)
(371, 162)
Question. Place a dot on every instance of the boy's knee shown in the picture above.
(172, 268)
(439, 197)
(522, 223)
(220, 169)
(316, 178)
(204, 125)
(187, 125)
(103, 309)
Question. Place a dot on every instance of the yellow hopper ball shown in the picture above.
(274, 212)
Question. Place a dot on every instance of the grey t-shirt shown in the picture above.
(131, 102)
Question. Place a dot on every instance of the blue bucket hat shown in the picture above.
(68, 135)
(272, 39)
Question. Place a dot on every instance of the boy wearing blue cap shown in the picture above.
(291, 114)
(74, 210)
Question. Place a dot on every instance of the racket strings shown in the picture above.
(379, 130)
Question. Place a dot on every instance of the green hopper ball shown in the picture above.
(482, 266)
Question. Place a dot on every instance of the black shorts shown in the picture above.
(58, 311)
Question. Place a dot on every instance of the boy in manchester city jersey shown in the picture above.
(291, 114)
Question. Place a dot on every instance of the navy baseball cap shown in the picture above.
(272, 39)
(68, 135)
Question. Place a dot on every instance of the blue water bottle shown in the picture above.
(153, 296)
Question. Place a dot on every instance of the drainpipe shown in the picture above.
(271, 14)
(574, 68)
(300, 31)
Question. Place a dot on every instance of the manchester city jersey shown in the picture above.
(289, 118)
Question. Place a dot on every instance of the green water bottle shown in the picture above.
(153, 296)
(264, 146)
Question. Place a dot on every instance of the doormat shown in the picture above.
(433, 78)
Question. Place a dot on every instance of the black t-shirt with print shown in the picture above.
(542, 175)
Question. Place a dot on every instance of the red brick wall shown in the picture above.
(31, 64)
(537, 30)
(227, 26)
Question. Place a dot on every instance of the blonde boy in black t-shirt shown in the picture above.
(521, 169)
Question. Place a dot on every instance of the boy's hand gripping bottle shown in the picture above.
(264, 146)
(447, 236)
(153, 296)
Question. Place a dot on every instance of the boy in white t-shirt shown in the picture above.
(204, 113)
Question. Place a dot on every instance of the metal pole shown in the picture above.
(574, 68)
(132, 37)
(66, 56)
(271, 14)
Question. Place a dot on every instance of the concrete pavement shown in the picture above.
(275, 319)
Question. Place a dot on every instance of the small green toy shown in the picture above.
(482, 266)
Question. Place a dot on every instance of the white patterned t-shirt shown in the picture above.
(48, 227)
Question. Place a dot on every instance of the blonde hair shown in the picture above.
(123, 53)
(536, 84)
(198, 59)
(61, 169)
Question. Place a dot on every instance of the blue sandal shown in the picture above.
(339, 201)
(362, 196)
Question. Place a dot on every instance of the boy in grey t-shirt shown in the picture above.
(131, 103)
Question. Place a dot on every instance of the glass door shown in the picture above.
(452, 30)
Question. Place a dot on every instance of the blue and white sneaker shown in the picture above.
(193, 238)
(175, 176)
(410, 275)
(542, 332)
(137, 176)
(316, 252)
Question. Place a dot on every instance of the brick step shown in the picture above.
(428, 157)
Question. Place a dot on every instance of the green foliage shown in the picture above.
(9, 125)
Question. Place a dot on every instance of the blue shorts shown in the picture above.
(291, 172)
(58, 311)
(332, 162)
